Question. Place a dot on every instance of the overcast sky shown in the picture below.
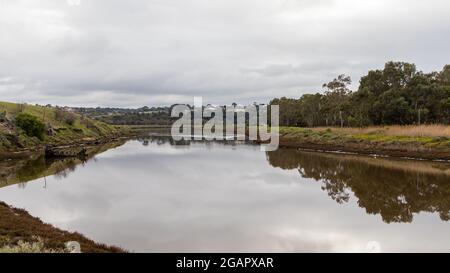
(134, 53)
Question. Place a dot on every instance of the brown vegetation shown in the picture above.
(395, 130)
(17, 225)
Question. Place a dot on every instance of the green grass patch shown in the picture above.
(60, 125)
(329, 135)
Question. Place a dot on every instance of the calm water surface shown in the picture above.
(151, 195)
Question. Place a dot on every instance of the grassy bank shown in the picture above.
(19, 231)
(61, 127)
(427, 141)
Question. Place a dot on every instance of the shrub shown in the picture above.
(30, 125)
(59, 114)
(70, 118)
(63, 116)
(29, 247)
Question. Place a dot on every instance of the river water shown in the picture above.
(154, 196)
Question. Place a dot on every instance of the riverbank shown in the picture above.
(418, 142)
(18, 227)
(47, 126)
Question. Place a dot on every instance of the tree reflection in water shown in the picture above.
(395, 189)
(22, 171)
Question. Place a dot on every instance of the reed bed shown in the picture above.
(394, 130)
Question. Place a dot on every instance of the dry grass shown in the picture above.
(394, 130)
(16, 225)
(29, 247)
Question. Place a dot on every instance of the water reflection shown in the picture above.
(37, 166)
(21, 171)
(163, 139)
(153, 194)
(395, 189)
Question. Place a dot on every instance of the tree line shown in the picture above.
(398, 94)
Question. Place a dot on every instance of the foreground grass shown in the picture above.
(29, 247)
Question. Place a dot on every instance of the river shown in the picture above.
(154, 196)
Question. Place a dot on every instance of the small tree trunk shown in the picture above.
(419, 117)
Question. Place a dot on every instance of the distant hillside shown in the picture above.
(127, 116)
(21, 125)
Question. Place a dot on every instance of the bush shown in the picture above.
(70, 118)
(59, 114)
(31, 125)
(29, 247)
(63, 116)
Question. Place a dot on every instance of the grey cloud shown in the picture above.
(129, 53)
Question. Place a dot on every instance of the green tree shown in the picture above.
(31, 125)
(289, 111)
(359, 105)
(336, 99)
(310, 109)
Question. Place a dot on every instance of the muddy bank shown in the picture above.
(43, 149)
(403, 150)
(18, 225)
